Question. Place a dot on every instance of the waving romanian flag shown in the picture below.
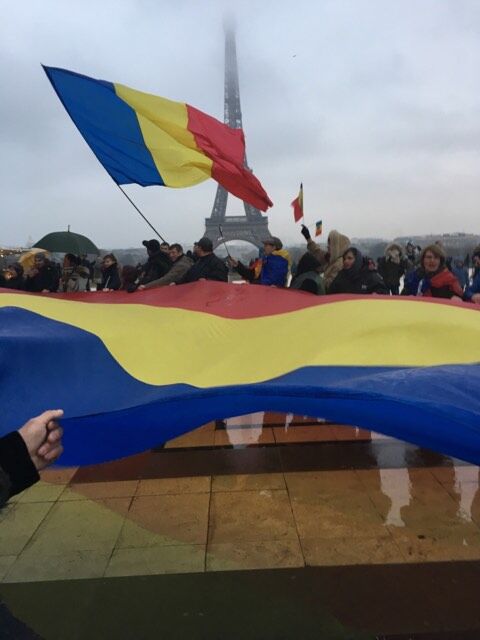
(297, 205)
(144, 139)
(132, 371)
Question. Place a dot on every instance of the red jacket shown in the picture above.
(444, 285)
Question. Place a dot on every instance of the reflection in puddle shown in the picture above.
(467, 487)
(395, 484)
(288, 420)
(245, 430)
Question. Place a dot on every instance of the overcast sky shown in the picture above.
(374, 104)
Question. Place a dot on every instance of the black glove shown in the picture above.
(305, 232)
(132, 288)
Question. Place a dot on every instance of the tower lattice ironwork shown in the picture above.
(253, 226)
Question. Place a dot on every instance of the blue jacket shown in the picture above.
(273, 270)
(474, 287)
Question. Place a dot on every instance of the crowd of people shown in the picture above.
(340, 269)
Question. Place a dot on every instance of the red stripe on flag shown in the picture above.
(230, 300)
(297, 209)
(226, 148)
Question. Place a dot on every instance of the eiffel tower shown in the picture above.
(253, 226)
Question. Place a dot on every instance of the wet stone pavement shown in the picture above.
(262, 526)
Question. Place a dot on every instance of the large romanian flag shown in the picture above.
(132, 371)
(144, 139)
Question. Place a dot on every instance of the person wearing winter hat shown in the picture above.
(271, 270)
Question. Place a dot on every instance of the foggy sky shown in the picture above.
(373, 104)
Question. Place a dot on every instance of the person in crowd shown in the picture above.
(356, 277)
(472, 292)
(271, 269)
(307, 276)
(158, 262)
(25, 452)
(90, 265)
(74, 275)
(13, 277)
(180, 265)
(128, 277)
(412, 255)
(432, 278)
(460, 271)
(110, 274)
(165, 248)
(207, 266)
(332, 259)
(43, 277)
(392, 267)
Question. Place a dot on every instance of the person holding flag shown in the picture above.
(273, 268)
(332, 259)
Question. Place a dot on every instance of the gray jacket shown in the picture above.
(178, 269)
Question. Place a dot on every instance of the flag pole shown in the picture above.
(138, 210)
(303, 204)
(223, 240)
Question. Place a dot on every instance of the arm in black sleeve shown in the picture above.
(245, 272)
(16, 465)
(220, 273)
(115, 282)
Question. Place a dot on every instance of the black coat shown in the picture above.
(47, 278)
(17, 471)
(156, 267)
(14, 283)
(363, 281)
(209, 267)
(390, 271)
(110, 278)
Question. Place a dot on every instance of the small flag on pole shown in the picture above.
(297, 205)
(318, 228)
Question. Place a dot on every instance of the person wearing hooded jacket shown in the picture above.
(392, 266)
(332, 259)
(271, 270)
(307, 276)
(432, 278)
(356, 277)
(472, 292)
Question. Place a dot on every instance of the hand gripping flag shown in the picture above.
(144, 139)
(297, 205)
(132, 371)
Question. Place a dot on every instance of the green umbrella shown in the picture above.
(67, 242)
